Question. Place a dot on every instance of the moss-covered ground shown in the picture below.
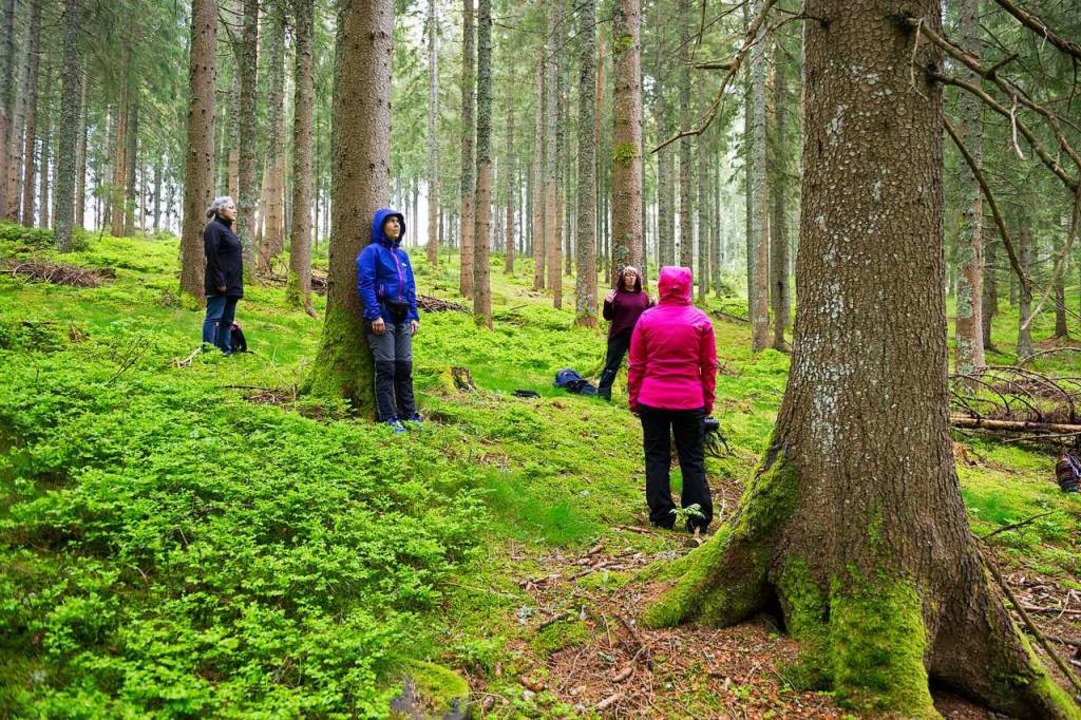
(197, 539)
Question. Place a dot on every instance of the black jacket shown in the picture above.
(224, 259)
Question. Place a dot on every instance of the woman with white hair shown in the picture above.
(224, 276)
(622, 306)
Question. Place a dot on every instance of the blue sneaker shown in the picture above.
(416, 421)
(395, 425)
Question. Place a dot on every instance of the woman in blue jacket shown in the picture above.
(389, 296)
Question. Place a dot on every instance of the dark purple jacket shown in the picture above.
(625, 310)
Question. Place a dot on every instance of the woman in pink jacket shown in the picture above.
(671, 378)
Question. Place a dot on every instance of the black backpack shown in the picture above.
(571, 381)
(240, 344)
(1068, 471)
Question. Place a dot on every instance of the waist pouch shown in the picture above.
(398, 311)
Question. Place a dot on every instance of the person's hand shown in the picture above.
(610, 296)
(378, 326)
(413, 325)
(222, 289)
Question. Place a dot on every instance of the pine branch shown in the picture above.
(1038, 26)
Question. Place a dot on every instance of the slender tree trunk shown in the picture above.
(969, 355)
(433, 134)
(30, 139)
(20, 80)
(552, 221)
(482, 291)
(44, 189)
(701, 205)
(69, 127)
(468, 132)
(627, 206)
(857, 529)
(1061, 329)
(232, 133)
(1024, 304)
(779, 288)
(990, 291)
(7, 97)
(299, 286)
(131, 204)
(686, 223)
(199, 166)
(273, 238)
(80, 157)
(511, 186)
(247, 60)
(539, 154)
(585, 310)
(759, 194)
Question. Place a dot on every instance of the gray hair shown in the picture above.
(218, 204)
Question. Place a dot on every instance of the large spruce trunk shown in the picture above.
(855, 522)
(199, 165)
(360, 185)
(627, 241)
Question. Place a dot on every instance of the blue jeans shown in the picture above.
(217, 327)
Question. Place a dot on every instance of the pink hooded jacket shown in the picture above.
(673, 358)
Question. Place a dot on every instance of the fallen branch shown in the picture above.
(1014, 526)
(1014, 425)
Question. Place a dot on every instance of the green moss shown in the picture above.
(343, 367)
(877, 641)
(561, 635)
(622, 44)
(438, 689)
(624, 152)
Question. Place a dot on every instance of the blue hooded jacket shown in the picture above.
(384, 274)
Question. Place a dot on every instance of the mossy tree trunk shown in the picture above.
(538, 195)
(360, 185)
(855, 522)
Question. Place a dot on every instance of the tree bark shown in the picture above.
(989, 305)
(361, 184)
(780, 293)
(80, 157)
(1059, 243)
(686, 224)
(465, 243)
(247, 200)
(539, 154)
(44, 189)
(626, 139)
(199, 168)
(1024, 295)
(273, 237)
(511, 173)
(854, 524)
(585, 311)
(433, 134)
(69, 125)
(969, 356)
(30, 127)
(299, 285)
(7, 97)
(482, 236)
(758, 190)
(553, 222)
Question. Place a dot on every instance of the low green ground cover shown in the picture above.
(193, 540)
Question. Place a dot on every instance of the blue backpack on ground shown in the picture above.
(571, 381)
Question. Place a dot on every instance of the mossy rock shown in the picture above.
(561, 635)
(431, 692)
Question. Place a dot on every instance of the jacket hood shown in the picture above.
(378, 236)
(675, 284)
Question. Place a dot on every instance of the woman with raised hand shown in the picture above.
(623, 305)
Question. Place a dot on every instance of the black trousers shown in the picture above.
(689, 430)
(617, 350)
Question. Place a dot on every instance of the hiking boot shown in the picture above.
(415, 421)
(395, 425)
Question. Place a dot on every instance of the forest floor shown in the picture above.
(622, 670)
(506, 542)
